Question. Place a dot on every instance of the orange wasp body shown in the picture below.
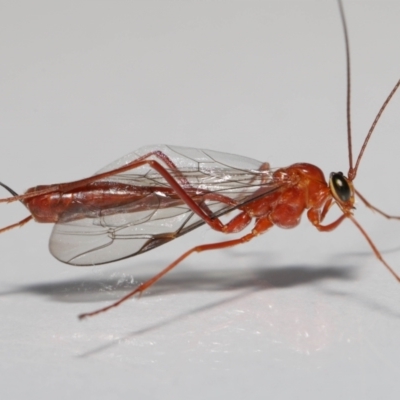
(159, 193)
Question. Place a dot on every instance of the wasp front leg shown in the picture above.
(315, 216)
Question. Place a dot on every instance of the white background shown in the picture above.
(295, 314)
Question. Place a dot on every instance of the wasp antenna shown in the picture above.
(9, 189)
(348, 89)
(353, 171)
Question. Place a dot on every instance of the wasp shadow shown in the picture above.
(99, 288)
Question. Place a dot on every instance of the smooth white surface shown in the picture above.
(295, 314)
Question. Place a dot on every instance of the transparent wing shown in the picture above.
(220, 181)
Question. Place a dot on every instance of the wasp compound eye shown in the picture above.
(340, 187)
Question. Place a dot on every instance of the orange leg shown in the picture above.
(374, 249)
(326, 208)
(331, 226)
(261, 226)
(20, 223)
(315, 218)
(369, 205)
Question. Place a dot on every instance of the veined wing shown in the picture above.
(158, 217)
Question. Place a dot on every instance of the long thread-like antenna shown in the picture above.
(353, 171)
(348, 90)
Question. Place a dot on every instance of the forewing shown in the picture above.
(92, 241)
(121, 234)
